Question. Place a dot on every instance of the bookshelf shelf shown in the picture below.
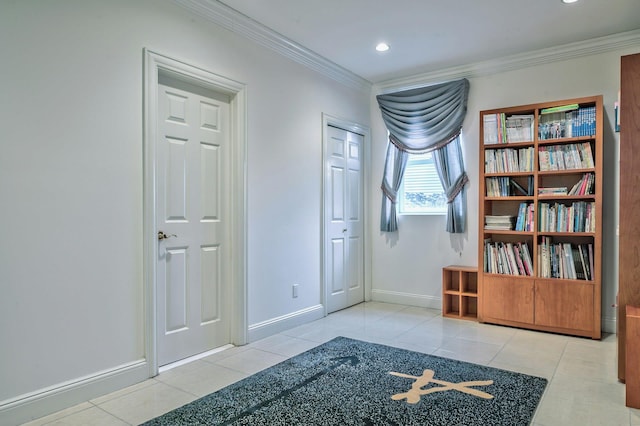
(565, 172)
(460, 292)
(564, 141)
(507, 232)
(539, 274)
(510, 145)
(510, 198)
(508, 174)
(566, 234)
(566, 197)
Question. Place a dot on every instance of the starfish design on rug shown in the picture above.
(415, 393)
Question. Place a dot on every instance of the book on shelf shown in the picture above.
(508, 160)
(507, 258)
(517, 267)
(590, 250)
(506, 264)
(560, 108)
(498, 222)
(552, 126)
(518, 189)
(498, 186)
(585, 186)
(558, 190)
(578, 216)
(544, 159)
(564, 260)
(504, 186)
(525, 157)
(578, 263)
(543, 260)
(565, 157)
(526, 257)
(520, 220)
(586, 155)
(567, 121)
(499, 128)
(524, 220)
(584, 256)
(519, 259)
(519, 127)
(485, 255)
(490, 126)
(570, 267)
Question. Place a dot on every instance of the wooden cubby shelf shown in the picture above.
(540, 217)
(460, 292)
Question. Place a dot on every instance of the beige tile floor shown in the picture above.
(583, 388)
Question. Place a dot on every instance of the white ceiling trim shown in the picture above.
(236, 22)
(514, 62)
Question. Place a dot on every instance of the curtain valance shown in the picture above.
(423, 119)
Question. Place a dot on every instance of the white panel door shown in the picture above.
(192, 201)
(344, 227)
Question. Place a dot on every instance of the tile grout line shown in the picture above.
(111, 414)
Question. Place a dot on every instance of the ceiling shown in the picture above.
(431, 35)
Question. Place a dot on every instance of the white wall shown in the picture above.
(71, 252)
(408, 268)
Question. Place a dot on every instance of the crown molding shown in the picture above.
(514, 62)
(232, 20)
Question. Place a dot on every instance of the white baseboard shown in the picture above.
(279, 324)
(63, 395)
(408, 299)
(610, 325)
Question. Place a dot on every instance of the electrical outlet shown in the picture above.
(295, 291)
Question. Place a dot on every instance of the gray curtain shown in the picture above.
(423, 120)
(393, 171)
(450, 167)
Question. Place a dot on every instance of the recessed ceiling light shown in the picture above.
(382, 47)
(569, 1)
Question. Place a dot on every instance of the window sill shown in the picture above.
(422, 213)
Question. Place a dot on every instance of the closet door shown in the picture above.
(344, 224)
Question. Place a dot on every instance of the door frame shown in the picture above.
(330, 120)
(155, 64)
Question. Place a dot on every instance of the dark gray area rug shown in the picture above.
(349, 382)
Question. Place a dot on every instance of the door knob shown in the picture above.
(163, 236)
(344, 230)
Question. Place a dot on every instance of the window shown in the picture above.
(421, 191)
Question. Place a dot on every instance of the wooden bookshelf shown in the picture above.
(460, 292)
(629, 226)
(544, 272)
